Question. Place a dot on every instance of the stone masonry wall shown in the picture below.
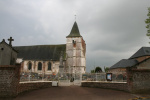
(138, 80)
(28, 86)
(9, 80)
(107, 85)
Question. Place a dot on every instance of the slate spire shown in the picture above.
(75, 31)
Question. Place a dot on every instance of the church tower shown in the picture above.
(75, 51)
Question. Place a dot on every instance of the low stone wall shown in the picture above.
(138, 80)
(9, 80)
(107, 85)
(27, 86)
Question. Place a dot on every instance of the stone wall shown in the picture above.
(138, 80)
(144, 65)
(28, 86)
(9, 80)
(108, 85)
(117, 71)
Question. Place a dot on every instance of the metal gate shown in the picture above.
(63, 78)
(77, 79)
(70, 77)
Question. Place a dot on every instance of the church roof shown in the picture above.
(75, 31)
(144, 51)
(125, 63)
(41, 52)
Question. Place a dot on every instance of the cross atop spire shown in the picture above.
(10, 41)
(75, 17)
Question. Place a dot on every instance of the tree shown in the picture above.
(98, 69)
(106, 69)
(92, 71)
(147, 21)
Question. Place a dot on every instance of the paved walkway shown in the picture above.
(74, 93)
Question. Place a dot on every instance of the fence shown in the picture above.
(30, 76)
(116, 77)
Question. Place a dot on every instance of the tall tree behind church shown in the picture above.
(147, 21)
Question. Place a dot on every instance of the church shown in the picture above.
(48, 59)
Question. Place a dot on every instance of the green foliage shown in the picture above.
(98, 69)
(106, 69)
(147, 26)
(147, 21)
(92, 71)
(148, 34)
(148, 14)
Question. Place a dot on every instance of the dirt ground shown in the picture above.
(74, 93)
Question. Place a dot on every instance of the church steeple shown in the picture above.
(75, 31)
(75, 51)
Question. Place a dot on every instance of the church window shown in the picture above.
(39, 66)
(29, 66)
(49, 66)
(74, 43)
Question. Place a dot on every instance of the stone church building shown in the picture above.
(46, 58)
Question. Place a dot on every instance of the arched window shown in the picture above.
(49, 66)
(39, 66)
(29, 66)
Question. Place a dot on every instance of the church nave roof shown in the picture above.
(41, 52)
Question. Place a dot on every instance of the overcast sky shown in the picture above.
(112, 29)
